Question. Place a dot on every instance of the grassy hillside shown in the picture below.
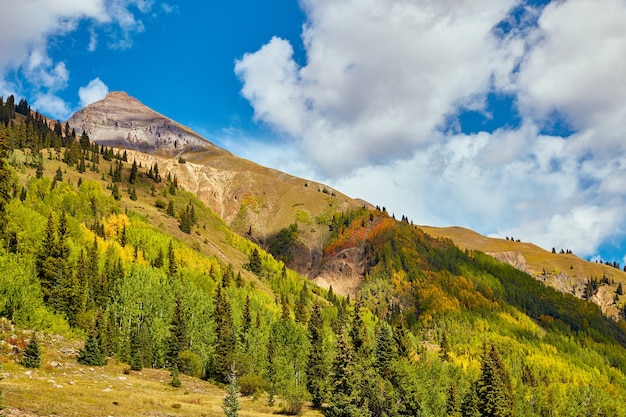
(564, 271)
(136, 272)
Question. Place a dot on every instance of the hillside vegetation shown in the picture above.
(113, 265)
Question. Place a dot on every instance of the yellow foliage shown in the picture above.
(114, 224)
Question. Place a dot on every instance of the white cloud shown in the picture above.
(52, 105)
(25, 33)
(94, 91)
(368, 111)
(379, 77)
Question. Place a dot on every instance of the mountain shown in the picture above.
(122, 121)
(106, 258)
(255, 201)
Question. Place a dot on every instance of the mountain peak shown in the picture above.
(120, 120)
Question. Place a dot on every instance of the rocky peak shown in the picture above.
(123, 121)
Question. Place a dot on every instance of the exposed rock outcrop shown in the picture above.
(122, 121)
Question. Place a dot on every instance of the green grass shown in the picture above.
(70, 389)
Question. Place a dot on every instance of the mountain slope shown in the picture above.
(565, 272)
(255, 201)
(94, 245)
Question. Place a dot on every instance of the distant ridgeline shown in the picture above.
(99, 247)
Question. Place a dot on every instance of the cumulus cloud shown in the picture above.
(379, 76)
(26, 31)
(94, 91)
(373, 110)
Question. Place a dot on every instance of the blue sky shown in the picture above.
(504, 116)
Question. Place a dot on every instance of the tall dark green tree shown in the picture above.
(226, 338)
(317, 371)
(132, 177)
(493, 388)
(5, 182)
(254, 262)
(179, 338)
(91, 354)
(386, 352)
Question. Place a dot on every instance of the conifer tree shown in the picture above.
(176, 382)
(226, 340)
(136, 350)
(470, 406)
(171, 260)
(271, 369)
(32, 355)
(300, 309)
(493, 388)
(385, 350)
(231, 404)
(444, 347)
(358, 333)
(254, 262)
(91, 354)
(179, 339)
(316, 364)
(132, 178)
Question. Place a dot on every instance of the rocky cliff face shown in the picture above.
(122, 121)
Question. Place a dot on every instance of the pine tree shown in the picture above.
(444, 347)
(358, 333)
(132, 178)
(231, 404)
(470, 406)
(452, 403)
(171, 260)
(179, 340)
(493, 388)
(386, 353)
(316, 363)
(136, 350)
(91, 354)
(254, 262)
(176, 382)
(32, 355)
(226, 339)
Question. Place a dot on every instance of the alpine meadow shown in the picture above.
(146, 272)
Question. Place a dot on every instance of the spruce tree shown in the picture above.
(178, 341)
(32, 355)
(254, 262)
(226, 339)
(493, 388)
(386, 353)
(171, 260)
(316, 363)
(176, 382)
(132, 178)
(91, 354)
(231, 404)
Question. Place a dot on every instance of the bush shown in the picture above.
(251, 384)
(160, 204)
(190, 364)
